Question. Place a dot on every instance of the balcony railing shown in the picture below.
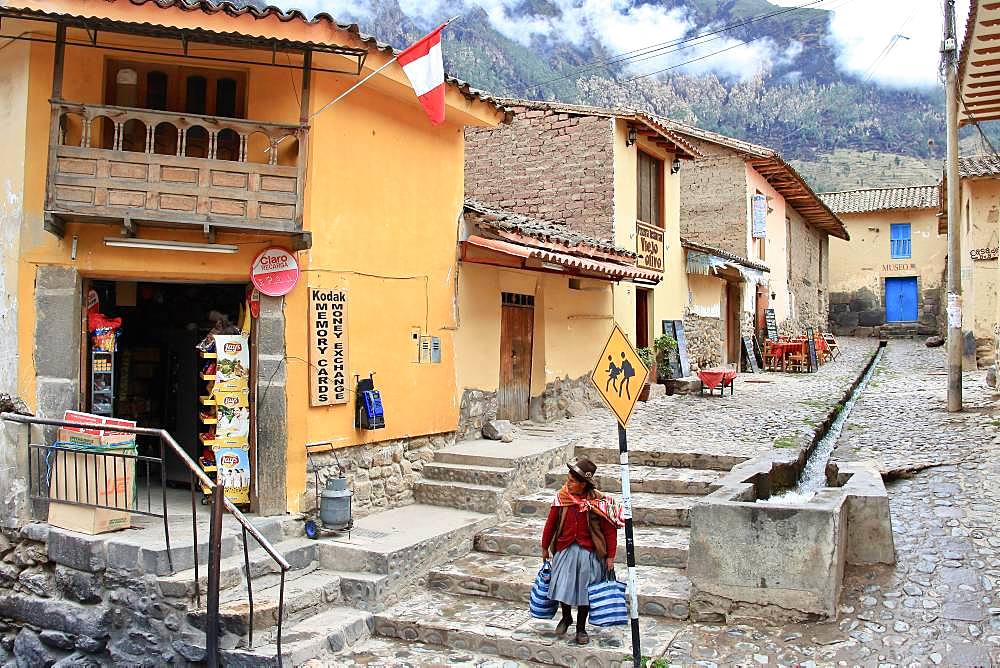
(109, 163)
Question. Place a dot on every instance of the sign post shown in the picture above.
(618, 376)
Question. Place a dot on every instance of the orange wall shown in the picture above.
(384, 194)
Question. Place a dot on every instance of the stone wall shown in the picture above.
(554, 166)
(714, 200)
(381, 475)
(705, 337)
(862, 313)
(564, 398)
(808, 281)
(478, 407)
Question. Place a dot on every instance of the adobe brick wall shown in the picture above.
(714, 199)
(808, 282)
(554, 166)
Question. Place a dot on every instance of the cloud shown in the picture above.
(891, 42)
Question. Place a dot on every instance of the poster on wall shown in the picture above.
(759, 209)
(232, 458)
(328, 372)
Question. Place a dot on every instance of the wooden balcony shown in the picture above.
(159, 168)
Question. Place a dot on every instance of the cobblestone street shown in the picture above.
(940, 604)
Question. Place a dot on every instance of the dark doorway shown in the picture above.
(642, 318)
(517, 322)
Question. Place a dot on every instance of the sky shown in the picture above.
(892, 43)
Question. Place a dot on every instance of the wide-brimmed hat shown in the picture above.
(583, 470)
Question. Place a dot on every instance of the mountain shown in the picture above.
(841, 132)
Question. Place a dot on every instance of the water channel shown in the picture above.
(813, 475)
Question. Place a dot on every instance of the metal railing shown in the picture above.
(56, 460)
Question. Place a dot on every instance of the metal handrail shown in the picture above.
(217, 495)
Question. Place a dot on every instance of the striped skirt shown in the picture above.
(573, 570)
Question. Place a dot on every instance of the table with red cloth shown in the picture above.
(784, 348)
(717, 378)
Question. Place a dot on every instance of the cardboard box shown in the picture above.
(87, 477)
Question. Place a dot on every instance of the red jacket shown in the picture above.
(576, 529)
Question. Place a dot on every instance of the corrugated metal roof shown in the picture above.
(259, 10)
(881, 199)
(725, 255)
(973, 166)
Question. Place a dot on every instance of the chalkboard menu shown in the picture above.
(771, 323)
(811, 342)
(680, 366)
(749, 358)
(757, 352)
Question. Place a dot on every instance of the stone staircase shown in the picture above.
(477, 603)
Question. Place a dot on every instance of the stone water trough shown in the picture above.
(784, 563)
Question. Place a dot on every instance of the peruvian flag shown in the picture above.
(424, 66)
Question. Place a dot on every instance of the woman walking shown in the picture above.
(581, 537)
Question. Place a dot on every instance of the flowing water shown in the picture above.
(813, 475)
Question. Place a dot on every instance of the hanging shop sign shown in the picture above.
(982, 254)
(253, 301)
(649, 246)
(275, 272)
(327, 346)
(759, 212)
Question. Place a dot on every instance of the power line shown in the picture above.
(655, 49)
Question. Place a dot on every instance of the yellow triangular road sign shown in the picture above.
(619, 375)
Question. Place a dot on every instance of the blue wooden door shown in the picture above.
(901, 299)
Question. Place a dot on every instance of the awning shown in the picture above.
(707, 264)
(539, 259)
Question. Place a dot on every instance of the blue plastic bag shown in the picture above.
(607, 602)
(540, 605)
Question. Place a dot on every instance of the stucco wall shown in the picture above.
(704, 320)
(13, 121)
(557, 167)
(980, 229)
(386, 235)
(859, 267)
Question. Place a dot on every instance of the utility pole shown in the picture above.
(949, 50)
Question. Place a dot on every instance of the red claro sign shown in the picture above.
(275, 272)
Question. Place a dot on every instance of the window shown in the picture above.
(650, 190)
(899, 241)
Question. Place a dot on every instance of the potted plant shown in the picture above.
(648, 358)
(663, 347)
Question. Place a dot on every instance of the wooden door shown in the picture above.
(760, 315)
(517, 319)
(641, 318)
(734, 307)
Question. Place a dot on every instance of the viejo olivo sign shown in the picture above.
(649, 246)
(327, 346)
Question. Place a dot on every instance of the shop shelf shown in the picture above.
(208, 356)
(206, 400)
(207, 376)
(206, 439)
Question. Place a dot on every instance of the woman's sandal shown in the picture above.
(563, 625)
(582, 638)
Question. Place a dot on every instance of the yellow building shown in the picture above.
(889, 278)
(600, 187)
(154, 150)
(745, 201)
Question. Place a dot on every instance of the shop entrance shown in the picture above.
(159, 373)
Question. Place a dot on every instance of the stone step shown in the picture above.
(464, 496)
(524, 451)
(496, 476)
(365, 591)
(654, 546)
(663, 592)
(307, 592)
(677, 458)
(672, 510)
(652, 479)
(383, 652)
(331, 630)
(401, 545)
(491, 626)
(299, 552)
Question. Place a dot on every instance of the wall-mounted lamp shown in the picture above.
(632, 136)
(675, 166)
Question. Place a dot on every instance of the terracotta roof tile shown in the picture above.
(979, 165)
(881, 199)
